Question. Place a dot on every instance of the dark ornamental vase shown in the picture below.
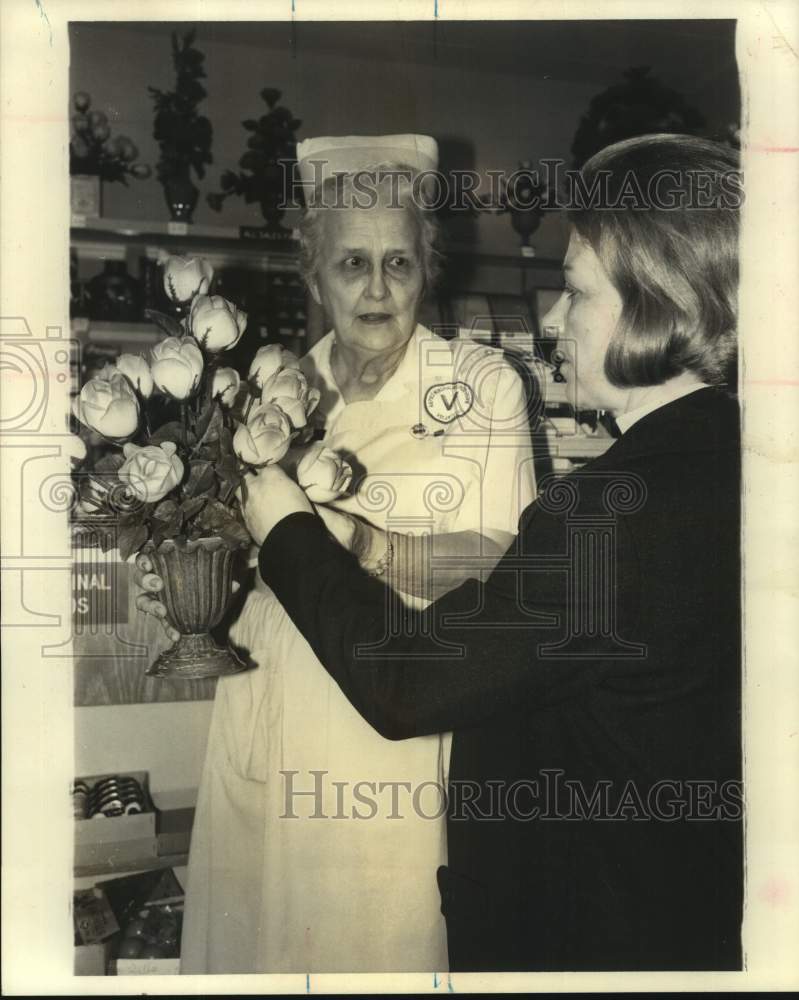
(114, 295)
(197, 577)
(181, 197)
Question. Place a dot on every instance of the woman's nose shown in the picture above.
(553, 318)
(376, 287)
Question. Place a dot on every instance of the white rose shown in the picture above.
(225, 385)
(323, 474)
(269, 361)
(177, 364)
(109, 406)
(152, 471)
(185, 277)
(217, 325)
(289, 390)
(265, 438)
(135, 368)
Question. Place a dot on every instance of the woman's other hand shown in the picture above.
(341, 526)
(267, 496)
(152, 585)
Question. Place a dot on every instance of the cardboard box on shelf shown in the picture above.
(117, 840)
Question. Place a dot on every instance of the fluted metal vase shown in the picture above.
(197, 577)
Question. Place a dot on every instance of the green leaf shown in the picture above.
(192, 506)
(130, 540)
(209, 423)
(172, 431)
(168, 324)
(165, 510)
(216, 519)
(201, 479)
(109, 464)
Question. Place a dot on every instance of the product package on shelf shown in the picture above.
(115, 821)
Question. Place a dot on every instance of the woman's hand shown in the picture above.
(341, 526)
(267, 496)
(152, 584)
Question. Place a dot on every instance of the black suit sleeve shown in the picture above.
(469, 657)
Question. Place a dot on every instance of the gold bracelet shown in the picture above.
(386, 560)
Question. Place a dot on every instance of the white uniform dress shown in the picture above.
(286, 882)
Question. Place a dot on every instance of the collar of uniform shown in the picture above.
(667, 394)
(406, 374)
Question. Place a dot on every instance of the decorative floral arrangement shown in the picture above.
(524, 199)
(183, 135)
(93, 151)
(271, 150)
(638, 106)
(180, 479)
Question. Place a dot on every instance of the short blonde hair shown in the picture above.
(676, 268)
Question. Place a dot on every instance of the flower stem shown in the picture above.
(184, 421)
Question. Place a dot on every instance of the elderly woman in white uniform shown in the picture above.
(316, 841)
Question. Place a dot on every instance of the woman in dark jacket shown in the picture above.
(593, 681)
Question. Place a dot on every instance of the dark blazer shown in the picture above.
(593, 686)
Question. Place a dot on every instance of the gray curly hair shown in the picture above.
(348, 190)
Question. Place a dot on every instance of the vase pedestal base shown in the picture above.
(194, 657)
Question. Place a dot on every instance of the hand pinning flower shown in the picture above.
(215, 323)
(225, 386)
(152, 471)
(265, 438)
(323, 474)
(177, 364)
(185, 277)
(109, 406)
(135, 368)
(270, 360)
(289, 390)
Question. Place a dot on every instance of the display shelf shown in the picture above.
(106, 332)
(225, 245)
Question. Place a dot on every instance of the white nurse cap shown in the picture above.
(318, 159)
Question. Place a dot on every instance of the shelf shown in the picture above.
(95, 332)
(225, 245)
(128, 867)
(222, 246)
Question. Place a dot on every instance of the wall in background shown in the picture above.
(168, 740)
(491, 94)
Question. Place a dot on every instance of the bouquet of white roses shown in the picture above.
(179, 479)
(185, 430)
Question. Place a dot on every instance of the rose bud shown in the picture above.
(135, 368)
(177, 364)
(323, 474)
(109, 406)
(265, 438)
(152, 471)
(269, 361)
(225, 385)
(82, 101)
(76, 448)
(216, 324)
(185, 277)
(101, 132)
(289, 390)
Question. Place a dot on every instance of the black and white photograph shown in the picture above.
(399, 494)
